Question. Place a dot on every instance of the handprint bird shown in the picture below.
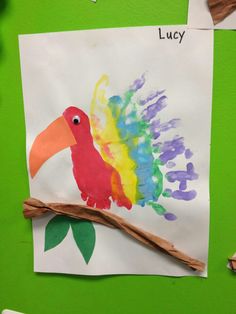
(117, 152)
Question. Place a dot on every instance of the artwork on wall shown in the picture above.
(212, 14)
(119, 120)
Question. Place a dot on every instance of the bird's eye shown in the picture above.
(76, 120)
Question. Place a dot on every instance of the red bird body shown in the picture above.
(98, 181)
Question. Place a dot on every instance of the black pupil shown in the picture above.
(76, 121)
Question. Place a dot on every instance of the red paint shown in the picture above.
(98, 181)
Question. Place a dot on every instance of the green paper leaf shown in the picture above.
(56, 231)
(85, 237)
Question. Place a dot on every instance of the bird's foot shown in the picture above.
(96, 203)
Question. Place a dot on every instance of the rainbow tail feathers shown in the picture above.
(129, 133)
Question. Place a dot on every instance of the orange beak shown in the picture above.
(56, 137)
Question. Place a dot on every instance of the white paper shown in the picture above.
(60, 70)
(199, 16)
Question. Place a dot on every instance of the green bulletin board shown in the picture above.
(23, 290)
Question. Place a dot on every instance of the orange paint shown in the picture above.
(118, 194)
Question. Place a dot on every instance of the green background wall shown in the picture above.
(25, 291)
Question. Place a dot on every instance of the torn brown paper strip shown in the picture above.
(220, 9)
(212, 14)
(35, 208)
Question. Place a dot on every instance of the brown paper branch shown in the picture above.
(220, 9)
(35, 208)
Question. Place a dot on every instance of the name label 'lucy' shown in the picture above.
(171, 35)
